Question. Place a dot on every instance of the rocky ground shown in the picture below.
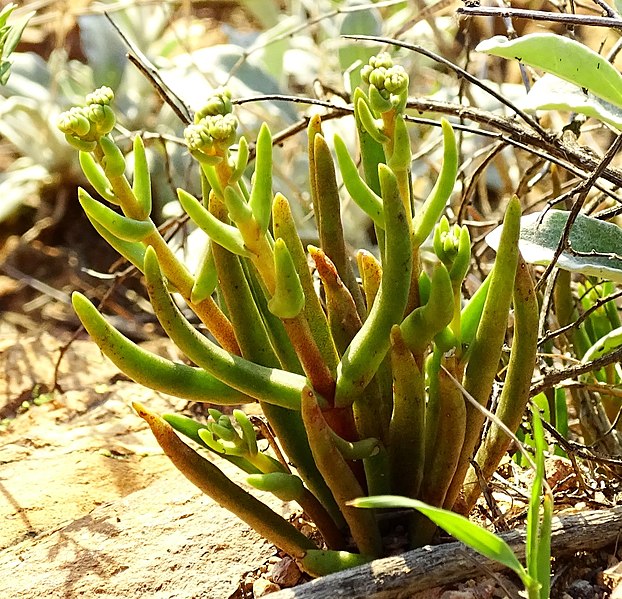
(89, 505)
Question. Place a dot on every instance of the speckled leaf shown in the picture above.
(552, 93)
(541, 232)
(563, 57)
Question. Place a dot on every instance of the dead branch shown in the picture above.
(400, 576)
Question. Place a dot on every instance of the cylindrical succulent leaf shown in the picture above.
(320, 562)
(339, 476)
(267, 384)
(212, 481)
(424, 323)
(149, 369)
(206, 277)
(261, 194)
(516, 389)
(96, 177)
(371, 125)
(127, 229)
(365, 198)
(485, 350)
(221, 233)
(288, 299)
(427, 216)
(113, 161)
(367, 350)
(241, 161)
(142, 178)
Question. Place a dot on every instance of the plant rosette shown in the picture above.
(362, 386)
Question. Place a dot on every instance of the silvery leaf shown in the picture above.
(552, 93)
(541, 233)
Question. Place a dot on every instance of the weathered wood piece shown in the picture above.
(400, 576)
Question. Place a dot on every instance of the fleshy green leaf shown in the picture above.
(212, 481)
(319, 562)
(366, 199)
(273, 385)
(287, 487)
(142, 178)
(206, 277)
(95, 174)
(370, 345)
(427, 216)
(113, 160)
(221, 233)
(261, 194)
(149, 369)
(288, 299)
(127, 229)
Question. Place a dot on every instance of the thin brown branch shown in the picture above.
(540, 15)
(573, 325)
(460, 72)
(570, 158)
(553, 377)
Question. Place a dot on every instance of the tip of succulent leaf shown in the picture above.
(81, 304)
(140, 409)
(151, 257)
(76, 296)
(265, 130)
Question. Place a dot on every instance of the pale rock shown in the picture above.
(263, 587)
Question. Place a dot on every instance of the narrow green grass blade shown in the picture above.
(465, 531)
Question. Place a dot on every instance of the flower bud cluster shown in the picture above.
(446, 240)
(389, 81)
(102, 96)
(215, 127)
(83, 126)
(452, 245)
(218, 103)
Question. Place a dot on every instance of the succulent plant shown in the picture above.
(362, 385)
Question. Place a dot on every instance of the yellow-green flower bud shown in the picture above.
(102, 116)
(197, 137)
(446, 240)
(388, 83)
(380, 61)
(103, 96)
(212, 134)
(377, 77)
(219, 103)
(222, 128)
(396, 80)
(453, 247)
(74, 122)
